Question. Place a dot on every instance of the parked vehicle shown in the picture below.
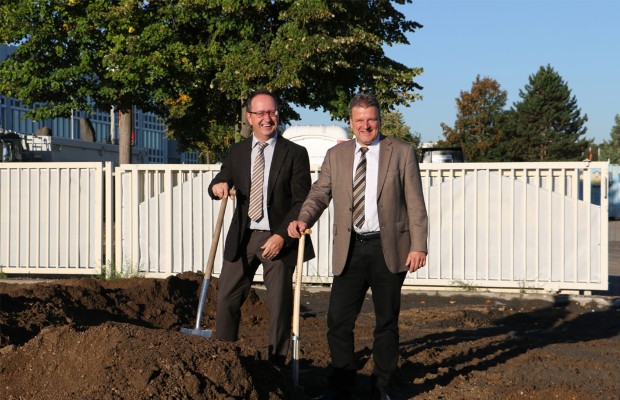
(19, 147)
(11, 147)
(442, 155)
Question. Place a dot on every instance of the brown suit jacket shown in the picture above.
(400, 202)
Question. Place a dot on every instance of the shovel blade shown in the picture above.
(206, 333)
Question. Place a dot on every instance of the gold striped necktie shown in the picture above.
(359, 189)
(256, 189)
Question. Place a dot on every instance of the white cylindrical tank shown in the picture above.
(316, 139)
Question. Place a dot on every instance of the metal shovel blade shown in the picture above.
(206, 333)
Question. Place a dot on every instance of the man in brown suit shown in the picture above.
(380, 234)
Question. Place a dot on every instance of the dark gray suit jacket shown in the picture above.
(288, 185)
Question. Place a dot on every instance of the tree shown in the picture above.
(315, 54)
(478, 128)
(84, 55)
(194, 62)
(610, 150)
(392, 124)
(546, 125)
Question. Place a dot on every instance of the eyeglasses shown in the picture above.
(261, 114)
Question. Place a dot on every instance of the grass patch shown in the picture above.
(465, 286)
(111, 272)
(2, 273)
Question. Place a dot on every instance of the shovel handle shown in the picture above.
(298, 270)
(216, 234)
(296, 305)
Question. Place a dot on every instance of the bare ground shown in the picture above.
(85, 338)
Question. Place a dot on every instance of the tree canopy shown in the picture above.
(546, 125)
(393, 124)
(194, 61)
(610, 149)
(478, 128)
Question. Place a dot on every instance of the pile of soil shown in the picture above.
(85, 338)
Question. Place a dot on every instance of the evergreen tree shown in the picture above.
(546, 125)
(610, 150)
(478, 126)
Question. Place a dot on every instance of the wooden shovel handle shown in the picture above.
(297, 300)
(216, 234)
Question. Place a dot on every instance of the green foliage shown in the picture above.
(465, 286)
(2, 274)
(546, 125)
(393, 124)
(194, 61)
(128, 270)
(610, 150)
(478, 128)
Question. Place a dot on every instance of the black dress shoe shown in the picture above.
(334, 395)
(278, 360)
(378, 394)
(383, 396)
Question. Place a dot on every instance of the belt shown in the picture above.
(367, 236)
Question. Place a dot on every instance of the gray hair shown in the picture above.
(365, 100)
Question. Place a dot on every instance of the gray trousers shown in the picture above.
(234, 286)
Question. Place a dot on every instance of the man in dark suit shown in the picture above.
(271, 176)
(380, 234)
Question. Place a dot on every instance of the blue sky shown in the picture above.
(508, 40)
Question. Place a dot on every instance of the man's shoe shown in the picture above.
(378, 394)
(334, 395)
(383, 396)
(278, 361)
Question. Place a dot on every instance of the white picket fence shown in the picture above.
(52, 217)
(521, 226)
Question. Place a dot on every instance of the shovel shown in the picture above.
(296, 306)
(207, 273)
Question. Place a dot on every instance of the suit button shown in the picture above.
(349, 229)
(350, 209)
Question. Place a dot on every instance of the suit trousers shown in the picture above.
(234, 286)
(365, 268)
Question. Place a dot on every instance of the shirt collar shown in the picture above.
(271, 141)
(374, 143)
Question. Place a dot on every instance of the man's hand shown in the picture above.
(272, 246)
(296, 228)
(416, 260)
(221, 190)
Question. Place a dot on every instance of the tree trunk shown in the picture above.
(125, 124)
(246, 129)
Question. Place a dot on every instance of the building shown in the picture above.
(148, 130)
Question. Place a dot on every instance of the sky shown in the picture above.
(508, 40)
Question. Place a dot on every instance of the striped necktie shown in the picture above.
(256, 190)
(359, 189)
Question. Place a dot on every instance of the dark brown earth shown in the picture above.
(88, 338)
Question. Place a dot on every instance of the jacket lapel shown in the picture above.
(347, 159)
(244, 185)
(279, 153)
(385, 156)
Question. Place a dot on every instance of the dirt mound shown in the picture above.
(86, 338)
